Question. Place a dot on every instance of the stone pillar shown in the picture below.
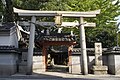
(99, 68)
(83, 47)
(98, 54)
(31, 46)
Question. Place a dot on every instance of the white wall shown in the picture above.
(14, 40)
(9, 40)
(5, 40)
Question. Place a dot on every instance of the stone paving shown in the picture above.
(59, 76)
(58, 73)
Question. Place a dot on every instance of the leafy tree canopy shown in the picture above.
(104, 32)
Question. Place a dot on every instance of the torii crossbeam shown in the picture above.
(54, 13)
(81, 15)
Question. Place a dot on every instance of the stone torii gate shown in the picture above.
(81, 15)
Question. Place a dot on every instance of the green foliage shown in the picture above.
(30, 4)
(105, 33)
(1, 8)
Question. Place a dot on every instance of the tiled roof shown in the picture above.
(7, 26)
(56, 37)
(89, 50)
(7, 47)
(79, 49)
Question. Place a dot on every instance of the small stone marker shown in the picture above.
(98, 54)
(99, 68)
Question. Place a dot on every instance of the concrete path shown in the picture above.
(59, 76)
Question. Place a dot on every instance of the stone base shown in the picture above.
(23, 67)
(36, 68)
(100, 69)
(7, 70)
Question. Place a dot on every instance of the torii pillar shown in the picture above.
(83, 47)
(80, 15)
(31, 46)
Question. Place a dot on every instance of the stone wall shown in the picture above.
(114, 62)
(117, 64)
(110, 59)
(111, 64)
(37, 62)
(76, 68)
(8, 63)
